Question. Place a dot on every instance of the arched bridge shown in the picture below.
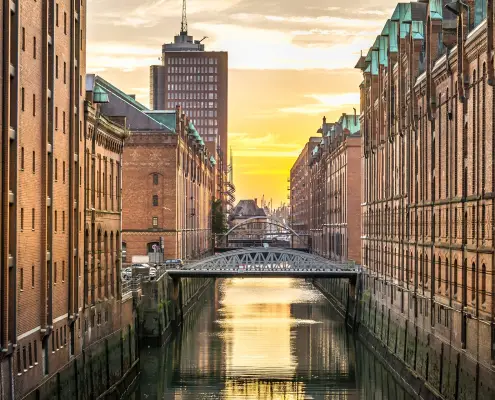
(266, 262)
(256, 230)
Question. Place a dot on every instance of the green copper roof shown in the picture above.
(417, 30)
(399, 15)
(100, 95)
(383, 51)
(374, 63)
(436, 9)
(385, 30)
(167, 118)
(479, 11)
(213, 161)
(350, 122)
(393, 43)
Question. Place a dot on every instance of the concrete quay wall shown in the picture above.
(429, 367)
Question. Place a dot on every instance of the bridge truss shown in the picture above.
(268, 262)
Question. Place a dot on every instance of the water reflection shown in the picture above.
(264, 339)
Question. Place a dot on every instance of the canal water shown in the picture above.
(264, 339)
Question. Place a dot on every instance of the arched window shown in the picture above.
(439, 272)
(155, 179)
(483, 129)
(473, 282)
(455, 278)
(155, 200)
(483, 284)
(446, 279)
(474, 135)
(421, 268)
(426, 270)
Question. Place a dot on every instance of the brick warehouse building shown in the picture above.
(300, 196)
(335, 187)
(42, 206)
(168, 181)
(427, 114)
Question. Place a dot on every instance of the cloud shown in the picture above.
(325, 103)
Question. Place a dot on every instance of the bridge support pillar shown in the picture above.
(353, 300)
(176, 298)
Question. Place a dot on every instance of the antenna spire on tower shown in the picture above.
(183, 25)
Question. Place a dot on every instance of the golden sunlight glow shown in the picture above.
(290, 62)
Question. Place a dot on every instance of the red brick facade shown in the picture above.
(300, 197)
(335, 182)
(42, 210)
(428, 178)
(168, 187)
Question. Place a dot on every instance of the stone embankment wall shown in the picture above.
(158, 313)
(428, 366)
(105, 369)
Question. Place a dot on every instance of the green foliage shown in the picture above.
(218, 219)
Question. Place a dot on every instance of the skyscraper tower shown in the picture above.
(198, 81)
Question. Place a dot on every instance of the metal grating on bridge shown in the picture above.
(261, 261)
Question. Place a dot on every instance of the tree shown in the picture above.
(218, 220)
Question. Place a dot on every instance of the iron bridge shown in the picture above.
(266, 262)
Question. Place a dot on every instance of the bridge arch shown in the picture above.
(267, 220)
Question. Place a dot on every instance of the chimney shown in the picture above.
(355, 116)
(132, 96)
(324, 120)
(256, 201)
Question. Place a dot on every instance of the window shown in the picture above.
(34, 105)
(55, 273)
(63, 272)
(35, 352)
(155, 200)
(56, 118)
(63, 121)
(65, 72)
(483, 284)
(455, 278)
(32, 218)
(34, 47)
(63, 171)
(23, 39)
(473, 282)
(24, 357)
(22, 158)
(56, 67)
(55, 221)
(32, 276)
(21, 279)
(155, 222)
(65, 23)
(155, 179)
(34, 162)
(63, 221)
(22, 219)
(56, 169)
(22, 99)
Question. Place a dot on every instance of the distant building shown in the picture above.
(245, 210)
(335, 179)
(167, 182)
(197, 80)
(300, 189)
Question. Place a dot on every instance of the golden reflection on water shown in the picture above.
(257, 322)
(264, 339)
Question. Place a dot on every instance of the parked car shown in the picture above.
(126, 273)
(177, 263)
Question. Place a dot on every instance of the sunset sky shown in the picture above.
(291, 62)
